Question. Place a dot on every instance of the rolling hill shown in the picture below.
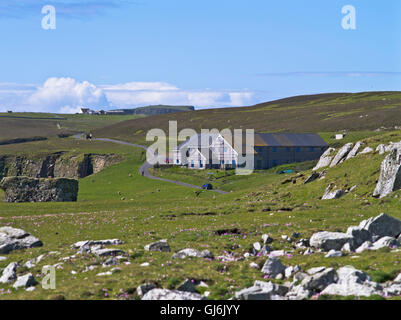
(312, 113)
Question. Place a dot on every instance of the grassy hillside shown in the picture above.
(119, 203)
(158, 109)
(28, 125)
(316, 113)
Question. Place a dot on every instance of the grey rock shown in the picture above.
(359, 235)
(24, 189)
(189, 285)
(144, 288)
(385, 242)
(262, 291)
(314, 176)
(390, 175)
(319, 281)
(161, 246)
(164, 294)
(303, 243)
(382, 225)
(9, 273)
(341, 155)
(90, 243)
(16, 239)
(366, 150)
(364, 246)
(331, 194)
(25, 281)
(354, 151)
(334, 254)
(267, 239)
(315, 270)
(273, 267)
(110, 262)
(107, 252)
(329, 240)
(393, 290)
(325, 159)
(381, 148)
(397, 279)
(266, 250)
(185, 253)
(299, 293)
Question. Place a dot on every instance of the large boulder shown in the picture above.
(354, 151)
(15, 239)
(9, 273)
(319, 281)
(273, 267)
(329, 240)
(352, 282)
(325, 159)
(330, 194)
(341, 155)
(359, 236)
(164, 294)
(390, 174)
(382, 226)
(24, 189)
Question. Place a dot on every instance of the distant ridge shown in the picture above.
(154, 110)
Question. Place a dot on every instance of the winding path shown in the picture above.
(145, 167)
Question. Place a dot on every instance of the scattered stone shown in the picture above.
(366, 150)
(303, 243)
(330, 194)
(185, 253)
(385, 242)
(144, 288)
(16, 239)
(30, 289)
(289, 271)
(277, 253)
(333, 254)
(319, 281)
(164, 294)
(365, 246)
(381, 148)
(262, 291)
(161, 246)
(254, 265)
(314, 176)
(110, 262)
(329, 240)
(188, 286)
(3, 258)
(9, 273)
(325, 159)
(145, 264)
(257, 246)
(24, 189)
(273, 267)
(25, 281)
(341, 155)
(315, 270)
(298, 293)
(91, 243)
(107, 252)
(308, 252)
(267, 239)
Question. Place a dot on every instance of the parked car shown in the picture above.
(207, 186)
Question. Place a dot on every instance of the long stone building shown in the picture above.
(206, 151)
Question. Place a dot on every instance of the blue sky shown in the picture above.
(206, 53)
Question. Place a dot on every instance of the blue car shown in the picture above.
(207, 186)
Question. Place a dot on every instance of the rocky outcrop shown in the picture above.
(185, 253)
(325, 159)
(55, 165)
(354, 151)
(332, 193)
(382, 226)
(161, 246)
(24, 189)
(15, 239)
(341, 155)
(390, 174)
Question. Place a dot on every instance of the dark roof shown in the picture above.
(289, 140)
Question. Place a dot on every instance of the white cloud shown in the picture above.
(67, 95)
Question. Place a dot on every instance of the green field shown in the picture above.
(119, 203)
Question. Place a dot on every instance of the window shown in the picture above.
(312, 149)
(274, 149)
(225, 149)
(298, 149)
(192, 164)
(234, 163)
(222, 162)
(287, 149)
(201, 164)
(178, 161)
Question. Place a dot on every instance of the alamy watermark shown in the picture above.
(210, 149)
(49, 280)
(349, 20)
(49, 20)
